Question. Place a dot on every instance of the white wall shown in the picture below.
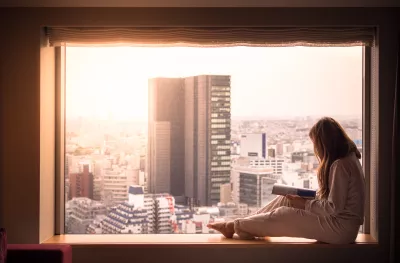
(200, 3)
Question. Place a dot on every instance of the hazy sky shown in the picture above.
(265, 82)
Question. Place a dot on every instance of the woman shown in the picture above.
(334, 216)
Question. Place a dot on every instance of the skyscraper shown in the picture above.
(165, 136)
(195, 161)
(207, 137)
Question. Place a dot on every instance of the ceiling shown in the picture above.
(199, 3)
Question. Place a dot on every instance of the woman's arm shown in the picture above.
(338, 185)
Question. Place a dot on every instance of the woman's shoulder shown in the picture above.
(339, 163)
(345, 163)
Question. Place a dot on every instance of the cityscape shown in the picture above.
(192, 162)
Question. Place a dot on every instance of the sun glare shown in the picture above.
(113, 81)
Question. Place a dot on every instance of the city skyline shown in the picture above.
(107, 190)
(157, 152)
(262, 78)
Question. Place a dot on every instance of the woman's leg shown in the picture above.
(227, 228)
(291, 222)
(274, 204)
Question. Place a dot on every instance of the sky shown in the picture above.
(265, 81)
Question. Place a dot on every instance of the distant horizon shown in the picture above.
(245, 118)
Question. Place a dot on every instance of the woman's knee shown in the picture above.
(282, 199)
(281, 212)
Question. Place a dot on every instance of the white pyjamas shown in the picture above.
(336, 220)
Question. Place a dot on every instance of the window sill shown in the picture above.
(191, 240)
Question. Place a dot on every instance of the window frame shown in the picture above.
(60, 73)
(370, 225)
(366, 140)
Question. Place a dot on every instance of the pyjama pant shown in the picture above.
(278, 219)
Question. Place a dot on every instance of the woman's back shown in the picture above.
(350, 169)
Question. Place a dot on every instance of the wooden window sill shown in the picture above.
(191, 240)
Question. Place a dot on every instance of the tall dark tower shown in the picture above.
(207, 137)
(166, 156)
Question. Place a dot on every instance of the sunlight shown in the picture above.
(113, 81)
(211, 147)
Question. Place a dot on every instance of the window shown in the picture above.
(138, 118)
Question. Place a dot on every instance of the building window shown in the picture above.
(220, 136)
(219, 120)
(148, 141)
(220, 126)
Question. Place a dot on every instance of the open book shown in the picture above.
(281, 189)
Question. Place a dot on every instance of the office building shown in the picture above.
(226, 193)
(115, 184)
(253, 145)
(189, 137)
(275, 163)
(81, 184)
(207, 137)
(166, 155)
(80, 213)
(255, 186)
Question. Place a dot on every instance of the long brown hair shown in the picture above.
(330, 144)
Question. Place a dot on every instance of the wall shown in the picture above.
(20, 131)
(20, 122)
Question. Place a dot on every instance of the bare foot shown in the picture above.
(225, 228)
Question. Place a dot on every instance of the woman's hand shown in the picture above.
(297, 201)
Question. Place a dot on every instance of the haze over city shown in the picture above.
(265, 82)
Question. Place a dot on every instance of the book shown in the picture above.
(281, 189)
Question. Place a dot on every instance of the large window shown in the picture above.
(165, 140)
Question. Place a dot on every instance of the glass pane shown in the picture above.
(166, 140)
